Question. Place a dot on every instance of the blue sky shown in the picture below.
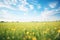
(29, 10)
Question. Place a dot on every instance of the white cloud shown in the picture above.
(14, 1)
(7, 16)
(31, 7)
(9, 2)
(23, 2)
(23, 8)
(6, 6)
(46, 15)
(53, 5)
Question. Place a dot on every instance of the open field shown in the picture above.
(30, 31)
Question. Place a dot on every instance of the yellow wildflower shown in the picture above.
(34, 38)
(58, 31)
(44, 32)
(33, 33)
(27, 32)
(13, 29)
(55, 28)
(47, 29)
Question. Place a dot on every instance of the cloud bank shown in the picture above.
(22, 10)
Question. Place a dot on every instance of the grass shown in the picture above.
(30, 31)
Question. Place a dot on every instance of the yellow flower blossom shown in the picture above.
(13, 29)
(27, 32)
(55, 28)
(45, 32)
(58, 31)
(47, 29)
(34, 38)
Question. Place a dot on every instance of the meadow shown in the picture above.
(30, 31)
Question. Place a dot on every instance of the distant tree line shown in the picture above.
(31, 21)
(1, 21)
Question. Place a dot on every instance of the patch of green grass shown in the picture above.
(30, 31)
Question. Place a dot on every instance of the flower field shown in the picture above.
(30, 31)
